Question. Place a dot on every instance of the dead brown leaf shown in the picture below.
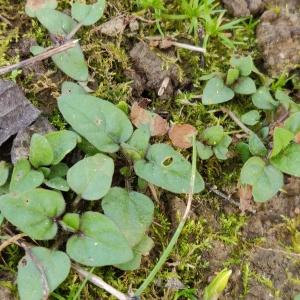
(297, 138)
(245, 194)
(113, 27)
(141, 117)
(181, 135)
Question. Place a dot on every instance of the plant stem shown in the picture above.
(234, 117)
(48, 53)
(177, 233)
(73, 31)
(100, 283)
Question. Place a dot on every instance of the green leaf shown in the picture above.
(143, 248)
(34, 212)
(88, 14)
(72, 63)
(245, 86)
(286, 101)
(282, 138)
(55, 21)
(293, 123)
(59, 170)
(217, 285)
(232, 76)
(288, 161)
(4, 172)
(99, 242)
(62, 142)
(24, 179)
(243, 150)
(32, 6)
(167, 169)
(57, 183)
(69, 87)
(138, 144)
(41, 267)
(72, 221)
(91, 177)
(264, 179)
(131, 211)
(256, 146)
(216, 92)
(221, 149)
(244, 64)
(263, 99)
(213, 135)
(204, 152)
(40, 153)
(251, 118)
(99, 121)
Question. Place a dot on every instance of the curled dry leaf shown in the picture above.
(245, 194)
(141, 117)
(114, 26)
(181, 135)
(297, 138)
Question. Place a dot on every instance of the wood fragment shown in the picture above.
(48, 53)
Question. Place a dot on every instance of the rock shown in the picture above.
(278, 38)
(16, 112)
(243, 8)
(149, 72)
(21, 143)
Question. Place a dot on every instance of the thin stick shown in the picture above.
(11, 240)
(153, 192)
(52, 51)
(177, 233)
(279, 251)
(100, 283)
(234, 117)
(189, 47)
(3, 19)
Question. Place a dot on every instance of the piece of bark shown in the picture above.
(16, 112)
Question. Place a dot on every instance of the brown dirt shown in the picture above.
(149, 71)
(278, 37)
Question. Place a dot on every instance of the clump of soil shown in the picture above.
(243, 8)
(150, 72)
(278, 36)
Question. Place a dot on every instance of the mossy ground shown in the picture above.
(107, 59)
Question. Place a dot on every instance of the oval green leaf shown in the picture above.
(91, 177)
(265, 180)
(55, 21)
(34, 212)
(40, 153)
(167, 169)
(72, 63)
(41, 268)
(288, 161)
(281, 139)
(99, 243)
(245, 86)
(216, 92)
(263, 99)
(100, 122)
(88, 14)
(251, 117)
(131, 211)
(24, 179)
(62, 142)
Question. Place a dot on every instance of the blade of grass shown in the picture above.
(177, 233)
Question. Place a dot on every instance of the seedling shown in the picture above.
(63, 27)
